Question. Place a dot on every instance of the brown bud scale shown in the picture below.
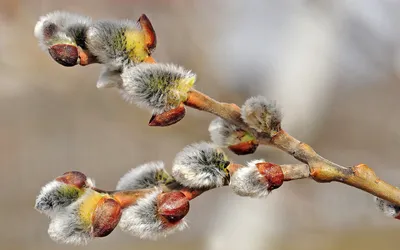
(106, 217)
(169, 117)
(172, 206)
(149, 33)
(272, 173)
(74, 178)
(244, 148)
(64, 54)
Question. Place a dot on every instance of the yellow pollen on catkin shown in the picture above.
(136, 45)
(183, 87)
(188, 83)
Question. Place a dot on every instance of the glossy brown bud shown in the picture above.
(244, 148)
(106, 217)
(149, 33)
(65, 54)
(172, 207)
(169, 117)
(74, 178)
(272, 173)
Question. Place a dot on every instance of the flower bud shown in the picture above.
(148, 175)
(272, 174)
(61, 192)
(60, 33)
(76, 178)
(92, 215)
(65, 54)
(201, 165)
(388, 208)
(156, 215)
(160, 87)
(256, 179)
(226, 134)
(262, 115)
(120, 44)
(172, 207)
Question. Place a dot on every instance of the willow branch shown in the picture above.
(319, 168)
(128, 197)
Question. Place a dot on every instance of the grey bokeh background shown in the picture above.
(333, 66)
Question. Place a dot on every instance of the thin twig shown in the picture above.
(295, 171)
(320, 169)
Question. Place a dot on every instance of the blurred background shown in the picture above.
(333, 66)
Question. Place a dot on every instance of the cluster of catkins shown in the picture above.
(148, 202)
(124, 48)
(79, 211)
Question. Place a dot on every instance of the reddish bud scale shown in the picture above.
(272, 173)
(74, 178)
(397, 217)
(149, 33)
(149, 59)
(85, 57)
(244, 148)
(65, 54)
(169, 117)
(106, 217)
(172, 206)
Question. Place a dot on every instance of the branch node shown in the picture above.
(364, 171)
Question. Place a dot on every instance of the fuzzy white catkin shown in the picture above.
(141, 177)
(153, 86)
(55, 196)
(142, 220)
(200, 165)
(247, 181)
(67, 226)
(222, 132)
(388, 208)
(52, 197)
(106, 40)
(261, 114)
(67, 27)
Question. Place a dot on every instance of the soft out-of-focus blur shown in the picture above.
(333, 66)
